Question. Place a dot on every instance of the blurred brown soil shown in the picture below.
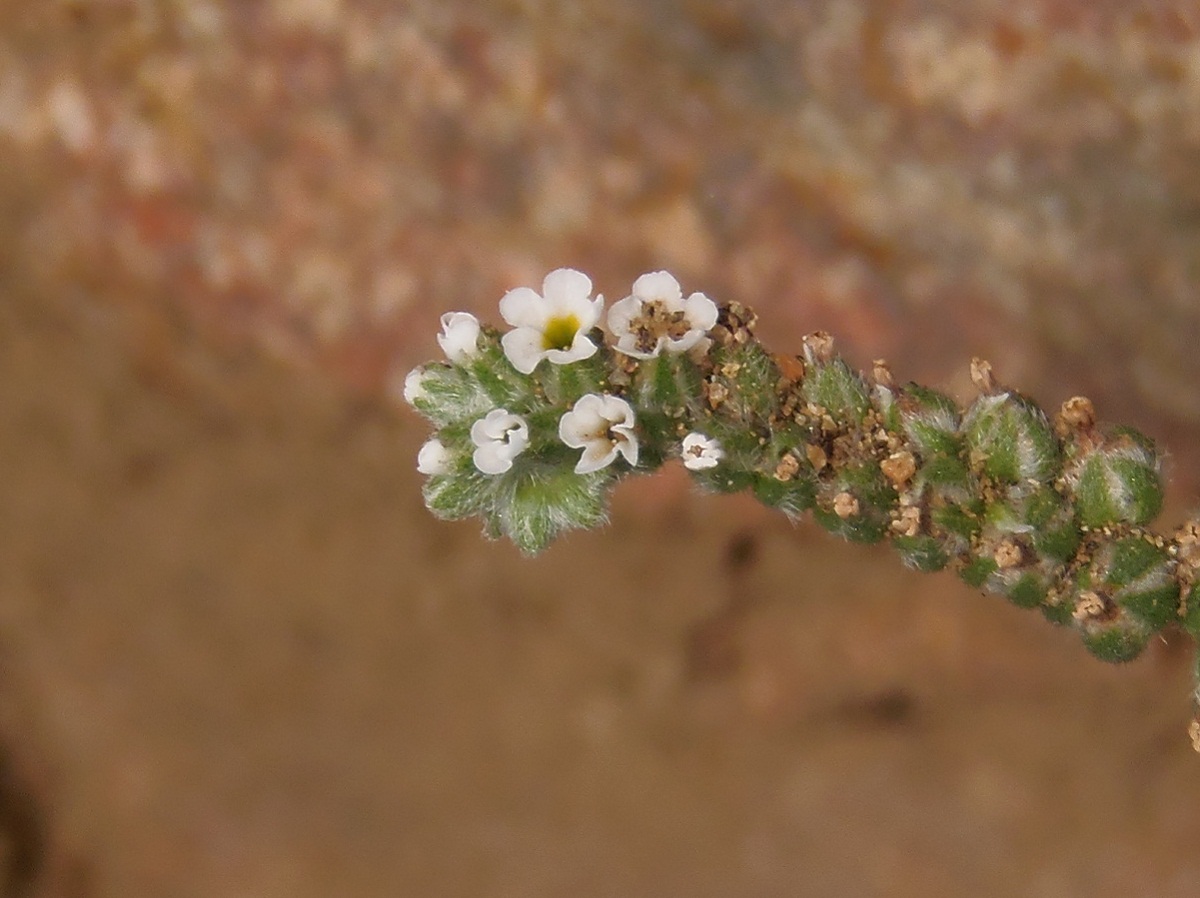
(239, 659)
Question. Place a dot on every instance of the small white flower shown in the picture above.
(701, 452)
(414, 385)
(434, 458)
(601, 426)
(499, 438)
(656, 317)
(552, 325)
(459, 338)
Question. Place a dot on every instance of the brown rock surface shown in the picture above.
(239, 658)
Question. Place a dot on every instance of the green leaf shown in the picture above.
(455, 496)
(1013, 438)
(539, 504)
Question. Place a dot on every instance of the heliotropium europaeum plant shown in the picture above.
(537, 423)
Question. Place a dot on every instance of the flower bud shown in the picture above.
(1116, 640)
(445, 393)
(930, 420)
(1011, 439)
(833, 386)
(1117, 481)
(1124, 594)
(855, 502)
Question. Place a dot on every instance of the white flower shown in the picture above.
(701, 452)
(656, 317)
(459, 338)
(434, 458)
(414, 385)
(551, 325)
(499, 438)
(601, 426)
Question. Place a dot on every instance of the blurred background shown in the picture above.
(238, 658)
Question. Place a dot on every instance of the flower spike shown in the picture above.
(1052, 512)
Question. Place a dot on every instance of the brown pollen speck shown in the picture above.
(818, 346)
(899, 467)
(845, 505)
(791, 368)
(907, 521)
(1187, 538)
(816, 456)
(1008, 554)
(1077, 413)
(982, 377)
(715, 393)
(787, 468)
(1091, 606)
(881, 373)
(1194, 733)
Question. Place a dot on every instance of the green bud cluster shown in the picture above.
(1049, 512)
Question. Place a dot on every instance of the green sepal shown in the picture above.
(876, 497)
(792, 497)
(724, 479)
(1055, 532)
(1029, 590)
(452, 497)
(1013, 438)
(1130, 558)
(887, 406)
(1060, 614)
(1191, 614)
(977, 571)
(945, 472)
(538, 503)
(1136, 574)
(1157, 606)
(931, 420)
(1116, 641)
(490, 368)
(661, 385)
(858, 529)
(749, 374)
(837, 388)
(955, 520)
(658, 432)
(1119, 481)
(449, 393)
(923, 553)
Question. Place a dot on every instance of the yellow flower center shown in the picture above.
(560, 332)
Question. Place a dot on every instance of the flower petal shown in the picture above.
(565, 287)
(578, 427)
(523, 307)
(701, 312)
(684, 343)
(523, 348)
(517, 437)
(414, 385)
(598, 454)
(621, 314)
(492, 459)
(581, 348)
(479, 431)
(459, 338)
(434, 458)
(616, 411)
(660, 285)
